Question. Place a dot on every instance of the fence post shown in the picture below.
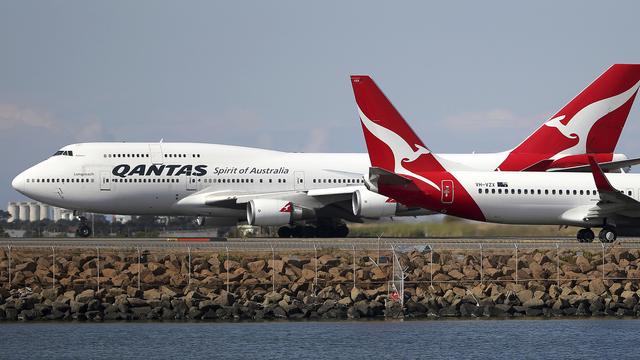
(227, 249)
(53, 266)
(603, 261)
(315, 276)
(379, 236)
(354, 265)
(516, 245)
(481, 266)
(558, 263)
(98, 267)
(139, 265)
(189, 265)
(431, 266)
(273, 270)
(9, 253)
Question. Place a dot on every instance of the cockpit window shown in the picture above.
(64, 153)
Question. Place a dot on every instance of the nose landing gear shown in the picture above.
(83, 230)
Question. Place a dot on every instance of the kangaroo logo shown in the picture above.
(402, 151)
(581, 123)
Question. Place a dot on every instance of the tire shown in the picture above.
(342, 231)
(608, 234)
(589, 236)
(284, 232)
(84, 231)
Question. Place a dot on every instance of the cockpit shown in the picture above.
(63, 152)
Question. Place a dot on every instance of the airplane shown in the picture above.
(304, 194)
(404, 169)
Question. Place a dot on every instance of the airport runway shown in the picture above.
(267, 244)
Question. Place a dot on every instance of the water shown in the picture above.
(455, 339)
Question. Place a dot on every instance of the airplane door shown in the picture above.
(156, 153)
(191, 183)
(299, 182)
(105, 181)
(447, 191)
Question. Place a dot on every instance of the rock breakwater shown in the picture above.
(162, 284)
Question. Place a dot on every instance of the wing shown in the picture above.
(612, 201)
(329, 202)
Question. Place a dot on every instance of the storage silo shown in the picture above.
(24, 211)
(44, 211)
(14, 211)
(34, 211)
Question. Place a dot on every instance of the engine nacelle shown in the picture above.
(265, 212)
(372, 205)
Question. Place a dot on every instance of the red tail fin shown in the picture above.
(590, 123)
(391, 142)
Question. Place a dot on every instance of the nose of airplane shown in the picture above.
(18, 182)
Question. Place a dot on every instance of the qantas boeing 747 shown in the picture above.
(306, 194)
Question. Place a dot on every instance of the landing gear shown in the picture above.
(83, 229)
(284, 232)
(608, 234)
(585, 235)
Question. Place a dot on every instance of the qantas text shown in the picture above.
(125, 170)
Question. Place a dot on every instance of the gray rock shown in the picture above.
(85, 296)
(140, 312)
(470, 310)
(533, 303)
(326, 306)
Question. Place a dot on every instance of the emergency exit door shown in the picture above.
(446, 191)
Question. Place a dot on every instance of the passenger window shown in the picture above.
(499, 191)
(479, 191)
(525, 191)
(559, 192)
(519, 191)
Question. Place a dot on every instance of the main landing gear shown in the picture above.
(83, 230)
(608, 234)
(585, 235)
(310, 231)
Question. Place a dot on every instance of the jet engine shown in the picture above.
(372, 205)
(275, 212)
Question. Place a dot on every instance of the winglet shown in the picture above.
(602, 183)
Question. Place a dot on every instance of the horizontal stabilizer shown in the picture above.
(606, 166)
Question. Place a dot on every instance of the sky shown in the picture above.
(468, 76)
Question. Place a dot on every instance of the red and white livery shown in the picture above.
(405, 169)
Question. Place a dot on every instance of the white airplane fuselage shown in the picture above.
(152, 178)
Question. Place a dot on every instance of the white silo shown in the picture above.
(24, 211)
(14, 211)
(34, 211)
(57, 214)
(44, 211)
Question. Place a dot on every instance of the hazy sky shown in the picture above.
(469, 76)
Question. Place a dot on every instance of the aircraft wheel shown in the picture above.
(297, 231)
(83, 231)
(284, 232)
(588, 235)
(608, 234)
(309, 231)
(341, 231)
